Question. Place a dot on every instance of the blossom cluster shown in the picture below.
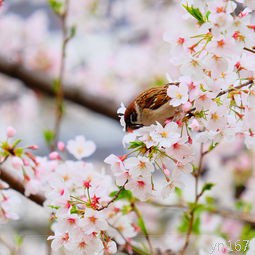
(154, 147)
(92, 212)
(215, 70)
(85, 216)
(214, 98)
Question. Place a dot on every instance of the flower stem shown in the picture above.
(193, 209)
(59, 82)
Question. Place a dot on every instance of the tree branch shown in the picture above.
(250, 50)
(225, 213)
(114, 198)
(18, 186)
(60, 90)
(235, 88)
(40, 82)
(197, 197)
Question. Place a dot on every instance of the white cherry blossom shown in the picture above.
(81, 148)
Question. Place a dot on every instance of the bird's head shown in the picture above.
(132, 118)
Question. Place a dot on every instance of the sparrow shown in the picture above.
(149, 107)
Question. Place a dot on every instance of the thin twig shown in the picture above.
(250, 50)
(113, 199)
(60, 90)
(121, 234)
(235, 88)
(145, 232)
(197, 196)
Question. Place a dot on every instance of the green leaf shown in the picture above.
(243, 206)
(158, 81)
(196, 225)
(207, 15)
(49, 136)
(5, 145)
(73, 31)
(142, 226)
(139, 251)
(183, 227)
(198, 208)
(123, 195)
(74, 209)
(178, 192)
(18, 239)
(210, 200)
(56, 85)
(196, 13)
(202, 88)
(16, 142)
(247, 234)
(207, 186)
(56, 207)
(56, 6)
(126, 209)
(135, 144)
(218, 101)
(200, 114)
(18, 152)
(213, 146)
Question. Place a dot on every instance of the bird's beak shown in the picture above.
(129, 130)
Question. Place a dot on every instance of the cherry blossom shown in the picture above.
(178, 94)
(94, 211)
(166, 136)
(141, 187)
(139, 166)
(81, 148)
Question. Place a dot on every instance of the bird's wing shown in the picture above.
(154, 98)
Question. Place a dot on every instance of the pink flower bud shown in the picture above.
(186, 107)
(33, 147)
(17, 162)
(10, 132)
(179, 123)
(54, 155)
(61, 146)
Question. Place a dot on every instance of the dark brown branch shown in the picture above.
(248, 49)
(235, 88)
(40, 82)
(114, 198)
(18, 186)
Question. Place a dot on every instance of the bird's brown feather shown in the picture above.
(149, 107)
(154, 98)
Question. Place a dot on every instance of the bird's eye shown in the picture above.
(133, 117)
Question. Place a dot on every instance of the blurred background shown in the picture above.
(118, 50)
